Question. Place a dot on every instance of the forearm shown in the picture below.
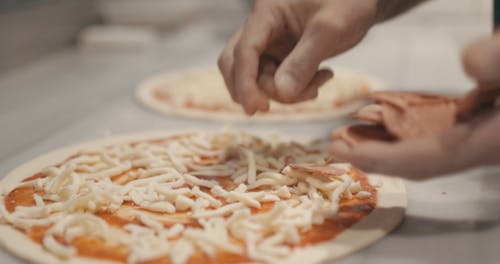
(387, 9)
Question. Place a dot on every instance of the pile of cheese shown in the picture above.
(165, 186)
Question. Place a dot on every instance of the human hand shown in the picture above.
(277, 53)
(482, 63)
(474, 142)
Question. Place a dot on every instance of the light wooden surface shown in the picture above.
(75, 96)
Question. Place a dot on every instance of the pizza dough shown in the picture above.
(202, 94)
(390, 206)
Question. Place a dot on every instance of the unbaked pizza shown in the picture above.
(202, 94)
(194, 197)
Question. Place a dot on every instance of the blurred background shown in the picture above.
(31, 29)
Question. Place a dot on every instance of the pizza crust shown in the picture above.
(390, 210)
(146, 90)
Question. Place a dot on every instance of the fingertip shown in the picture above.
(261, 103)
(481, 60)
(326, 73)
(255, 102)
(249, 109)
(265, 107)
(288, 88)
(311, 94)
(298, 69)
(287, 85)
(320, 78)
(312, 90)
(469, 60)
(249, 106)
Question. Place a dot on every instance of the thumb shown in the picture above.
(299, 68)
(482, 61)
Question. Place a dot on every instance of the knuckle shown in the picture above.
(323, 23)
(222, 61)
(245, 45)
(331, 26)
(224, 66)
(239, 50)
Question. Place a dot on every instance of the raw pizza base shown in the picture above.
(145, 93)
(390, 210)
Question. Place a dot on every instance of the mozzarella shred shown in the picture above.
(218, 180)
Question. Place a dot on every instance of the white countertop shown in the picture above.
(75, 96)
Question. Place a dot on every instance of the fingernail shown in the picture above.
(287, 85)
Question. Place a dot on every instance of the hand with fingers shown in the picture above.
(277, 53)
(472, 142)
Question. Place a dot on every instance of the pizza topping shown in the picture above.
(210, 192)
(359, 133)
(412, 115)
(404, 100)
(70, 227)
(400, 115)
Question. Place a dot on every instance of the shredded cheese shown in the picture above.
(212, 179)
